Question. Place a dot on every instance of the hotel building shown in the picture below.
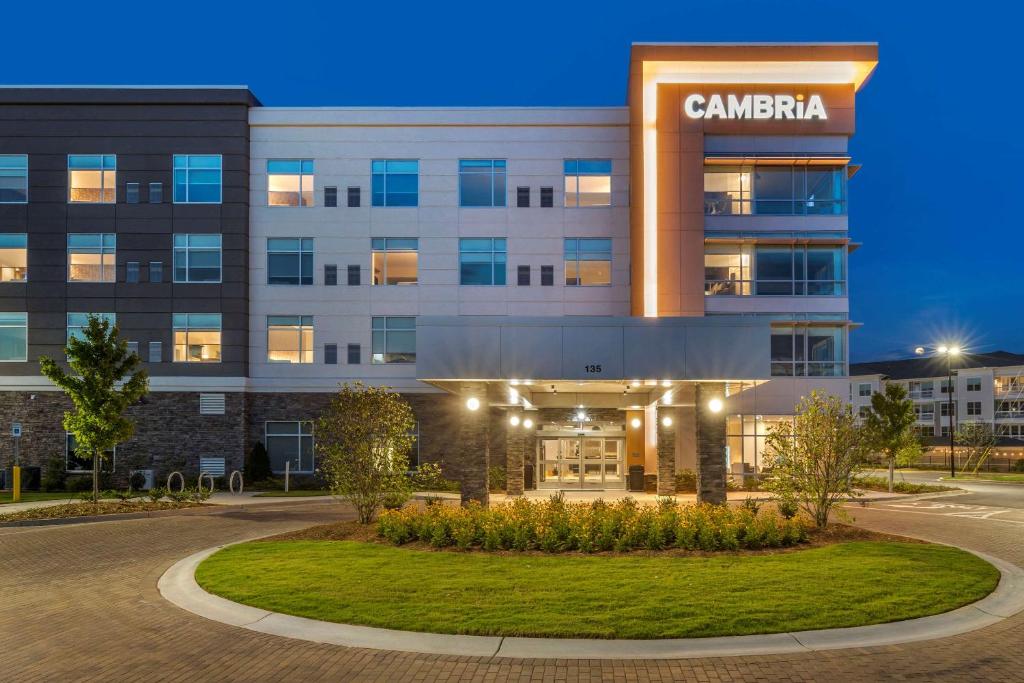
(588, 297)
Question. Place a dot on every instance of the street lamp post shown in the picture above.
(948, 352)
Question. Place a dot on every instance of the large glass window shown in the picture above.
(482, 261)
(787, 271)
(395, 182)
(79, 321)
(727, 270)
(197, 178)
(13, 178)
(779, 190)
(395, 260)
(588, 262)
(76, 463)
(290, 182)
(816, 351)
(13, 257)
(290, 442)
(13, 337)
(197, 258)
(588, 182)
(289, 339)
(394, 339)
(289, 261)
(92, 257)
(92, 178)
(197, 337)
(481, 182)
(746, 439)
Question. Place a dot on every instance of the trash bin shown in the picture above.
(636, 477)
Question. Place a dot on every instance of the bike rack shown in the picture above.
(181, 479)
(199, 482)
(231, 483)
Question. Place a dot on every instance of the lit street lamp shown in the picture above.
(949, 352)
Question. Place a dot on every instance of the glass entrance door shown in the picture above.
(581, 462)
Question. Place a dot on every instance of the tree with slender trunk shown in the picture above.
(977, 441)
(890, 428)
(104, 381)
(363, 441)
(815, 461)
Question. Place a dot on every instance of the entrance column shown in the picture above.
(472, 452)
(515, 454)
(668, 423)
(710, 445)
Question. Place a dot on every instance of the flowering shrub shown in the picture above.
(556, 526)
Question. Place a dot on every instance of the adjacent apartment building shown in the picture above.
(589, 297)
(987, 388)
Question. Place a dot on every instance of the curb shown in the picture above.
(178, 585)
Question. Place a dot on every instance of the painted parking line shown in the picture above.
(935, 507)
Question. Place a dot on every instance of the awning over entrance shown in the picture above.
(718, 348)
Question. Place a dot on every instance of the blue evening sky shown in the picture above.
(938, 124)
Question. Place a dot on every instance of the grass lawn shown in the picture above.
(290, 494)
(603, 596)
(990, 476)
(900, 486)
(33, 496)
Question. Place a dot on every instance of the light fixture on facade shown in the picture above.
(513, 396)
(581, 416)
(666, 421)
(715, 405)
(514, 420)
(473, 403)
(514, 382)
(528, 423)
(636, 383)
(666, 384)
(635, 423)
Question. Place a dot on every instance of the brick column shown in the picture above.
(667, 450)
(472, 455)
(515, 453)
(710, 445)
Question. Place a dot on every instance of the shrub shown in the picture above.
(257, 464)
(497, 480)
(428, 477)
(1018, 466)
(686, 481)
(557, 526)
(156, 493)
(55, 478)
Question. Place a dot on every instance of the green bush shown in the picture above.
(497, 480)
(882, 484)
(257, 464)
(557, 526)
(686, 481)
(1018, 466)
(55, 477)
(428, 477)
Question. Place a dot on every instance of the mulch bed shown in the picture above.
(84, 509)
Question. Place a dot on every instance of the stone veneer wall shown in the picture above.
(711, 487)
(667, 450)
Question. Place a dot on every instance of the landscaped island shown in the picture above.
(561, 570)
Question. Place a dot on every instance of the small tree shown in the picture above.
(815, 463)
(890, 427)
(105, 379)
(362, 442)
(978, 440)
(257, 465)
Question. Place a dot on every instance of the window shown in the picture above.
(863, 412)
(133, 347)
(787, 271)
(974, 408)
(13, 257)
(547, 197)
(354, 278)
(292, 443)
(156, 352)
(588, 182)
(290, 182)
(864, 390)
(394, 261)
(82, 464)
(197, 179)
(973, 384)
(131, 193)
(394, 339)
(944, 408)
(944, 430)
(547, 276)
(778, 190)
(355, 354)
(91, 257)
(197, 258)
(289, 261)
(92, 179)
(727, 270)
(944, 386)
(13, 337)
(353, 197)
(197, 337)
(331, 354)
(330, 196)
(156, 193)
(816, 351)
(921, 389)
(156, 272)
(588, 262)
(523, 276)
(924, 412)
(131, 272)
(79, 321)
(482, 261)
(13, 178)
(481, 182)
(523, 197)
(330, 275)
(289, 339)
(747, 439)
(395, 182)
(924, 430)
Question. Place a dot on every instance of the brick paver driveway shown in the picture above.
(80, 603)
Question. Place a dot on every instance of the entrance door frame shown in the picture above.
(580, 483)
